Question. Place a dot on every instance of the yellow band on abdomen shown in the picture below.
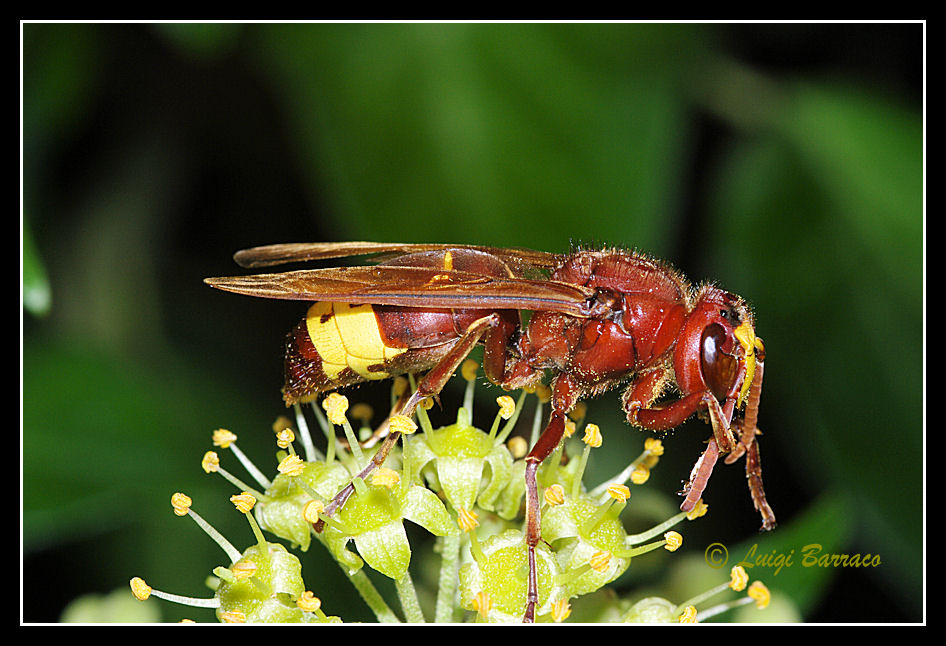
(347, 336)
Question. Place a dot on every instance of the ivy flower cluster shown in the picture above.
(463, 485)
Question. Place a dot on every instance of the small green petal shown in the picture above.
(423, 507)
(386, 549)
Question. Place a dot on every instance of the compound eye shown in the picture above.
(719, 368)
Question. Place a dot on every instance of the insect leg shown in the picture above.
(700, 475)
(564, 398)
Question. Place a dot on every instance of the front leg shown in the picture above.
(641, 410)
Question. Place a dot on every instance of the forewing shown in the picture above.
(426, 287)
(270, 255)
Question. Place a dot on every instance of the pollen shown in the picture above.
(335, 406)
(292, 465)
(592, 436)
(140, 589)
(674, 541)
(210, 462)
(181, 503)
(402, 424)
(579, 411)
(399, 386)
(570, 427)
(544, 393)
(469, 369)
(689, 615)
(312, 509)
(281, 422)
(284, 438)
(243, 569)
(699, 510)
(600, 561)
(738, 579)
(244, 502)
(233, 617)
(760, 594)
(467, 520)
(654, 446)
(385, 477)
(517, 446)
(640, 475)
(308, 602)
(482, 603)
(224, 438)
(560, 610)
(555, 495)
(362, 412)
(619, 492)
(507, 406)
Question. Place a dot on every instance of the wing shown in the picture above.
(428, 287)
(267, 256)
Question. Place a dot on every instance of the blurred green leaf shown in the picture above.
(491, 133)
(37, 295)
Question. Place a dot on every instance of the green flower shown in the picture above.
(373, 517)
(468, 465)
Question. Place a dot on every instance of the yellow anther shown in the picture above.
(140, 589)
(507, 406)
(362, 412)
(544, 393)
(281, 422)
(579, 411)
(674, 541)
(181, 503)
(448, 261)
(291, 465)
(689, 615)
(385, 477)
(569, 428)
(555, 495)
(223, 438)
(654, 446)
(244, 502)
(284, 438)
(399, 387)
(210, 463)
(560, 610)
(312, 509)
(640, 475)
(760, 594)
(699, 510)
(308, 602)
(243, 569)
(469, 369)
(467, 520)
(517, 446)
(335, 406)
(482, 603)
(619, 492)
(592, 435)
(402, 424)
(600, 561)
(738, 579)
(233, 617)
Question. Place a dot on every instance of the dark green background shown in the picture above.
(783, 161)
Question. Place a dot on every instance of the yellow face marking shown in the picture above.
(347, 336)
(745, 334)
